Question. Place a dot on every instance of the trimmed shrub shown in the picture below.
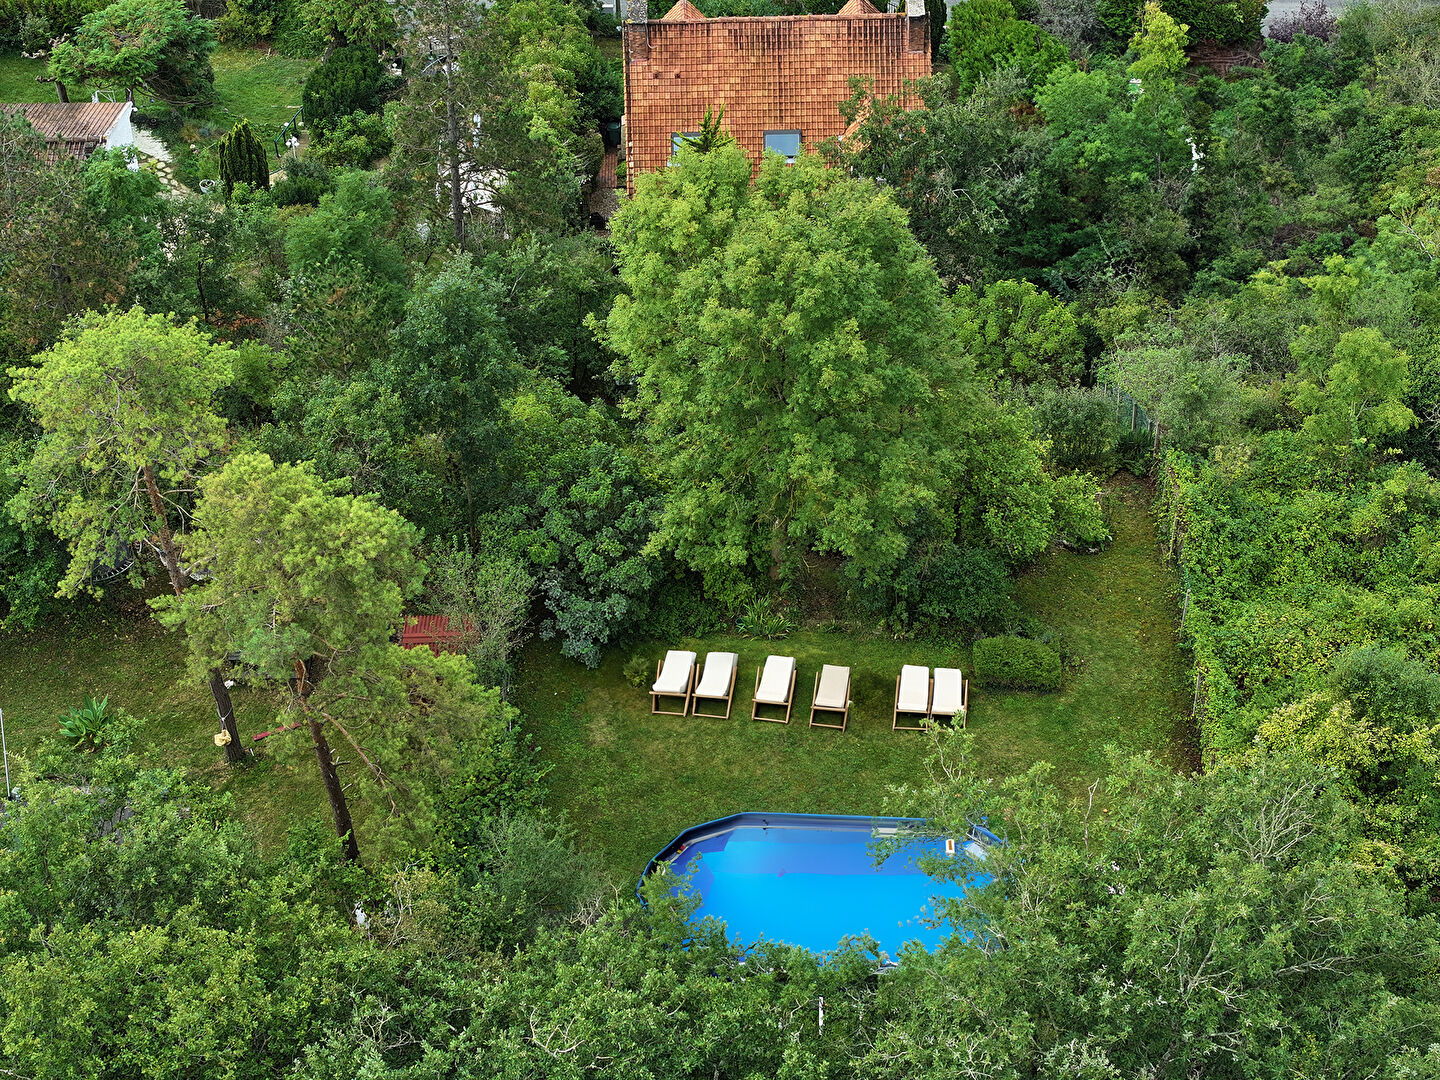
(243, 159)
(1017, 663)
(349, 81)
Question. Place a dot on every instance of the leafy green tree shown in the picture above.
(985, 35)
(154, 44)
(795, 368)
(1234, 23)
(529, 68)
(968, 170)
(1254, 946)
(450, 364)
(581, 513)
(1020, 335)
(57, 258)
(1361, 400)
(486, 596)
(1196, 401)
(308, 586)
(549, 285)
(367, 24)
(347, 277)
(125, 406)
(243, 159)
(1124, 151)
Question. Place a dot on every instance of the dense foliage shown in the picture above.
(865, 393)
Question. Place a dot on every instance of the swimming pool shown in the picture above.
(810, 879)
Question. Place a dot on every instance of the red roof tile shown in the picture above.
(782, 73)
(684, 11)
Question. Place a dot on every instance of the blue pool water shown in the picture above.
(810, 880)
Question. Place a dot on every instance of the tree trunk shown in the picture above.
(60, 90)
(170, 556)
(339, 808)
(452, 138)
(234, 752)
(777, 549)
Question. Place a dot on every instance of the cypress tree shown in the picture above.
(242, 159)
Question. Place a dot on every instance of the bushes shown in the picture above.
(61, 16)
(1081, 427)
(1236, 23)
(1017, 663)
(966, 586)
(357, 141)
(349, 81)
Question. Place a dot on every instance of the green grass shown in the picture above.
(630, 780)
(17, 80)
(263, 86)
(113, 649)
(254, 83)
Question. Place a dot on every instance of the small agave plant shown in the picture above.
(84, 726)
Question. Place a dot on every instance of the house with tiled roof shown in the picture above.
(78, 128)
(781, 79)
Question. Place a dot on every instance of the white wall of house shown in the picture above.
(122, 131)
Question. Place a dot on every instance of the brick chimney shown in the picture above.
(637, 30)
(919, 23)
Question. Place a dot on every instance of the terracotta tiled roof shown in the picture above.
(684, 11)
(72, 121)
(784, 73)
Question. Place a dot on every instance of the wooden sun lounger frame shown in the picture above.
(655, 709)
(929, 697)
(729, 697)
(964, 712)
(844, 713)
(789, 698)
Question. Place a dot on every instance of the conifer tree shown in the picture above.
(242, 159)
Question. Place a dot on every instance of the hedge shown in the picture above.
(1017, 663)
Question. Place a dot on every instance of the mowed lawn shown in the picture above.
(631, 780)
(17, 80)
(254, 83)
(113, 649)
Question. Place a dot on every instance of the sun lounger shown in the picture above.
(674, 677)
(832, 695)
(775, 687)
(951, 695)
(717, 683)
(912, 696)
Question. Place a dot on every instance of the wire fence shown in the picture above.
(1131, 413)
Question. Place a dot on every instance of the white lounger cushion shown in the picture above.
(674, 673)
(715, 679)
(775, 682)
(948, 690)
(914, 689)
(834, 692)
